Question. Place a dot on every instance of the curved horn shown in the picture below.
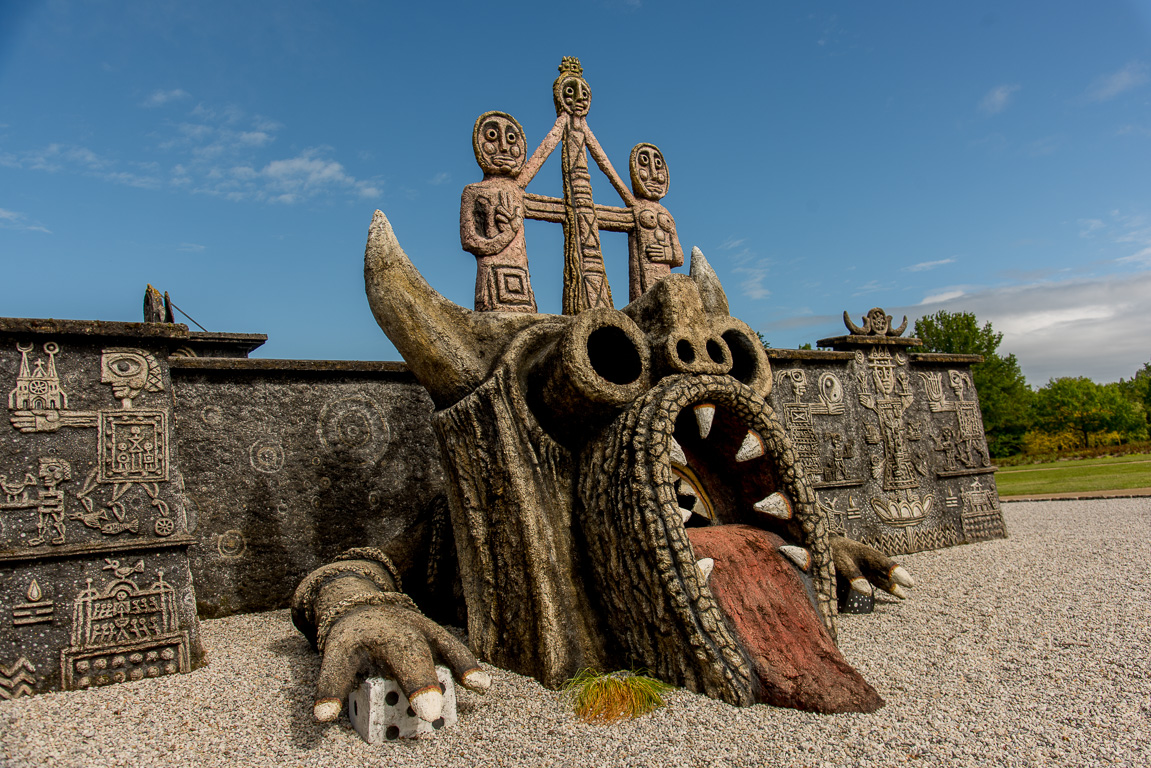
(855, 329)
(449, 349)
(896, 331)
(710, 289)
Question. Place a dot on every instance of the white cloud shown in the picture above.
(159, 98)
(732, 243)
(1087, 226)
(443, 177)
(1109, 86)
(754, 274)
(871, 286)
(190, 247)
(926, 265)
(219, 151)
(939, 298)
(1076, 327)
(998, 99)
(19, 221)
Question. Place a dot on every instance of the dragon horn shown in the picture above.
(449, 349)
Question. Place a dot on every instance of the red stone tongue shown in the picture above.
(765, 601)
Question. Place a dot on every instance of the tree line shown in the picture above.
(1067, 413)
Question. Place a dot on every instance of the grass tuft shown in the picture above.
(605, 698)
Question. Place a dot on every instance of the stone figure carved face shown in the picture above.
(498, 142)
(621, 493)
(130, 372)
(572, 94)
(649, 176)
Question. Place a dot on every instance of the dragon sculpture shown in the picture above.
(621, 496)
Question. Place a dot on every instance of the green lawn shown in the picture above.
(1107, 474)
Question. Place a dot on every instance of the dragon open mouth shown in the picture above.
(711, 560)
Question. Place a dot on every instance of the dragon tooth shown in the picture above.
(752, 447)
(704, 415)
(797, 555)
(677, 454)
(775, 505)
(705, 565)
(685, 514)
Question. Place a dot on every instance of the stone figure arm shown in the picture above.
(863, 568)
(542, 153)
(605, 165)
(487, 227)
(353, 612)
(50, 421)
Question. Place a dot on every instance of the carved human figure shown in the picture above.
(491, 216)
(653, 245)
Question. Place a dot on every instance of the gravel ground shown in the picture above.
(1028, 651)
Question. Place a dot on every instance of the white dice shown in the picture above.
(380, 711)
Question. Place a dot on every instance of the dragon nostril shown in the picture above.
(686, 351)
(715, 351)
(613, 355)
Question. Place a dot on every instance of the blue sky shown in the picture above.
(987, 157)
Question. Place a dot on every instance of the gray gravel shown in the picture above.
(1029, 651)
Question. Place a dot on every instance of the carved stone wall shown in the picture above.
(95, 586)
(291, 462)
(893, 441)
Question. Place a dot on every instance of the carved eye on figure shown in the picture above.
(644, 159)
(492, 133)
(511, 137)
(657, 161)
(125, 367)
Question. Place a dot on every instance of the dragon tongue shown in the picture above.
(767, 605)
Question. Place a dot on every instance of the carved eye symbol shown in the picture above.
(125, 367)
(569, 91)
(658, 161)
(644, 159)
(493, 133)
(512, 138)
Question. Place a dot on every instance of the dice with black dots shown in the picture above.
(380, 712)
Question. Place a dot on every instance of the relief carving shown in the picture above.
(122, 631)
(132, 444)
(962, 448)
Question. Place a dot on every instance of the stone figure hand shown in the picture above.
(658, 252)
(507, 214)
(354, 614)
(865, 568)
(36, 421)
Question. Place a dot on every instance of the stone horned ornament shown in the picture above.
(621, 496)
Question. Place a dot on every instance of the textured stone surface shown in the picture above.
(892, 441)
(94, 580)
(290, 463)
